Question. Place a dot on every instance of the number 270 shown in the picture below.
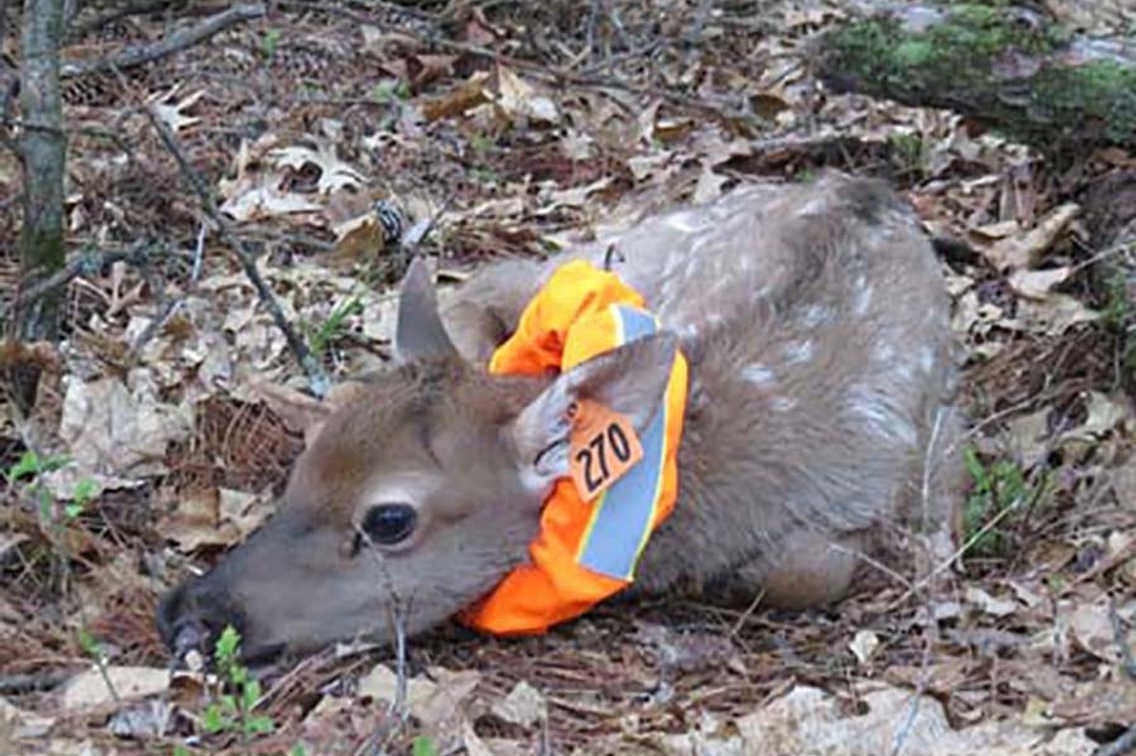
(612, 439)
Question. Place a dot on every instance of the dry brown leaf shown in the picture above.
(267, 200)
(114, 428)
(1024, 249)
(1036, 284)
(335, 174)
(988, 604)
(18, 724)
(518, 99)
(468, 96)
(810, 722)
(172, 114)
(1091, 628)
(432, 703)
(524, 706)
(196, 522)
(89, 689)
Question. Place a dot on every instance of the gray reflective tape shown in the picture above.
(627, 508)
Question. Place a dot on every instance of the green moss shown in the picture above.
(955, 62)
(914, 52)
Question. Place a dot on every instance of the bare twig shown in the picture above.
(114, 14)
(398, 712)
(317, 380)
(84, 264)
(137, 55)
(931, 460)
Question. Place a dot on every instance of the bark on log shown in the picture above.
(1011, 68)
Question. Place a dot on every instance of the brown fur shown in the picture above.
(815, 321)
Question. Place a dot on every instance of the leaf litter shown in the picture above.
(176, 409)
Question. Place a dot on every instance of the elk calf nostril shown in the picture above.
(192, 616)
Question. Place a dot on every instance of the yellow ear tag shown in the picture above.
(603, 446)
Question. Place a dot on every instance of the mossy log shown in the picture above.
(1008, 67)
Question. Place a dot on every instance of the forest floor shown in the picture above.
(162, 429)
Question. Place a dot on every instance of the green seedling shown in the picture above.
(998, 487)
(336, 323)
(389, 90)
(269, 43)
(233, 712)
(423, 746)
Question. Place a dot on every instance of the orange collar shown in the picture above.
(585, 550)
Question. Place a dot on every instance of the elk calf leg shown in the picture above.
(813, 570)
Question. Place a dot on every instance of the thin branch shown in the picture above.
(136, 55)
(317, 380)
(115, 14)
(83, 264)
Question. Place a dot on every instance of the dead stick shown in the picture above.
(85, 263)
(136, 55)
(115, 14)
(317, 380)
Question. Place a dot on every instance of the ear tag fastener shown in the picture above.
(602, 447)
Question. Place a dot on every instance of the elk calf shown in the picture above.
(815, 322)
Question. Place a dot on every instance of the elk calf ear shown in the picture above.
(419, 333)
(630, 379)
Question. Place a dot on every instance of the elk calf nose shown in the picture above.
(192, 616)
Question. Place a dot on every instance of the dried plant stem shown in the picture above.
(137, 55)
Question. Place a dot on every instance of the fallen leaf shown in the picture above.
(987, 603)
(1037, 283)
(1091, 628)
(335, 174)
(1022, 250)
(524, 706)
(18, 724)
(517, 98)
(120, 428)
(429, 701)
(863, 645)
(89, 689)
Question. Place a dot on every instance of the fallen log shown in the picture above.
(1011, 68)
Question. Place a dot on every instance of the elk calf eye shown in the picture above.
(388, 524)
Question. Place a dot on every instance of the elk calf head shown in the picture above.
(414, 499)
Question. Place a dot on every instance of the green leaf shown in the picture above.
(180, 750)
(227, 645)
(84, 491)
(89, 644)
(28, 463)
(974, 467)
(298, 750)
(213, 721)
(423, 746)
(259, 725)
(251, 693)
(73, 509)
(54, 463)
